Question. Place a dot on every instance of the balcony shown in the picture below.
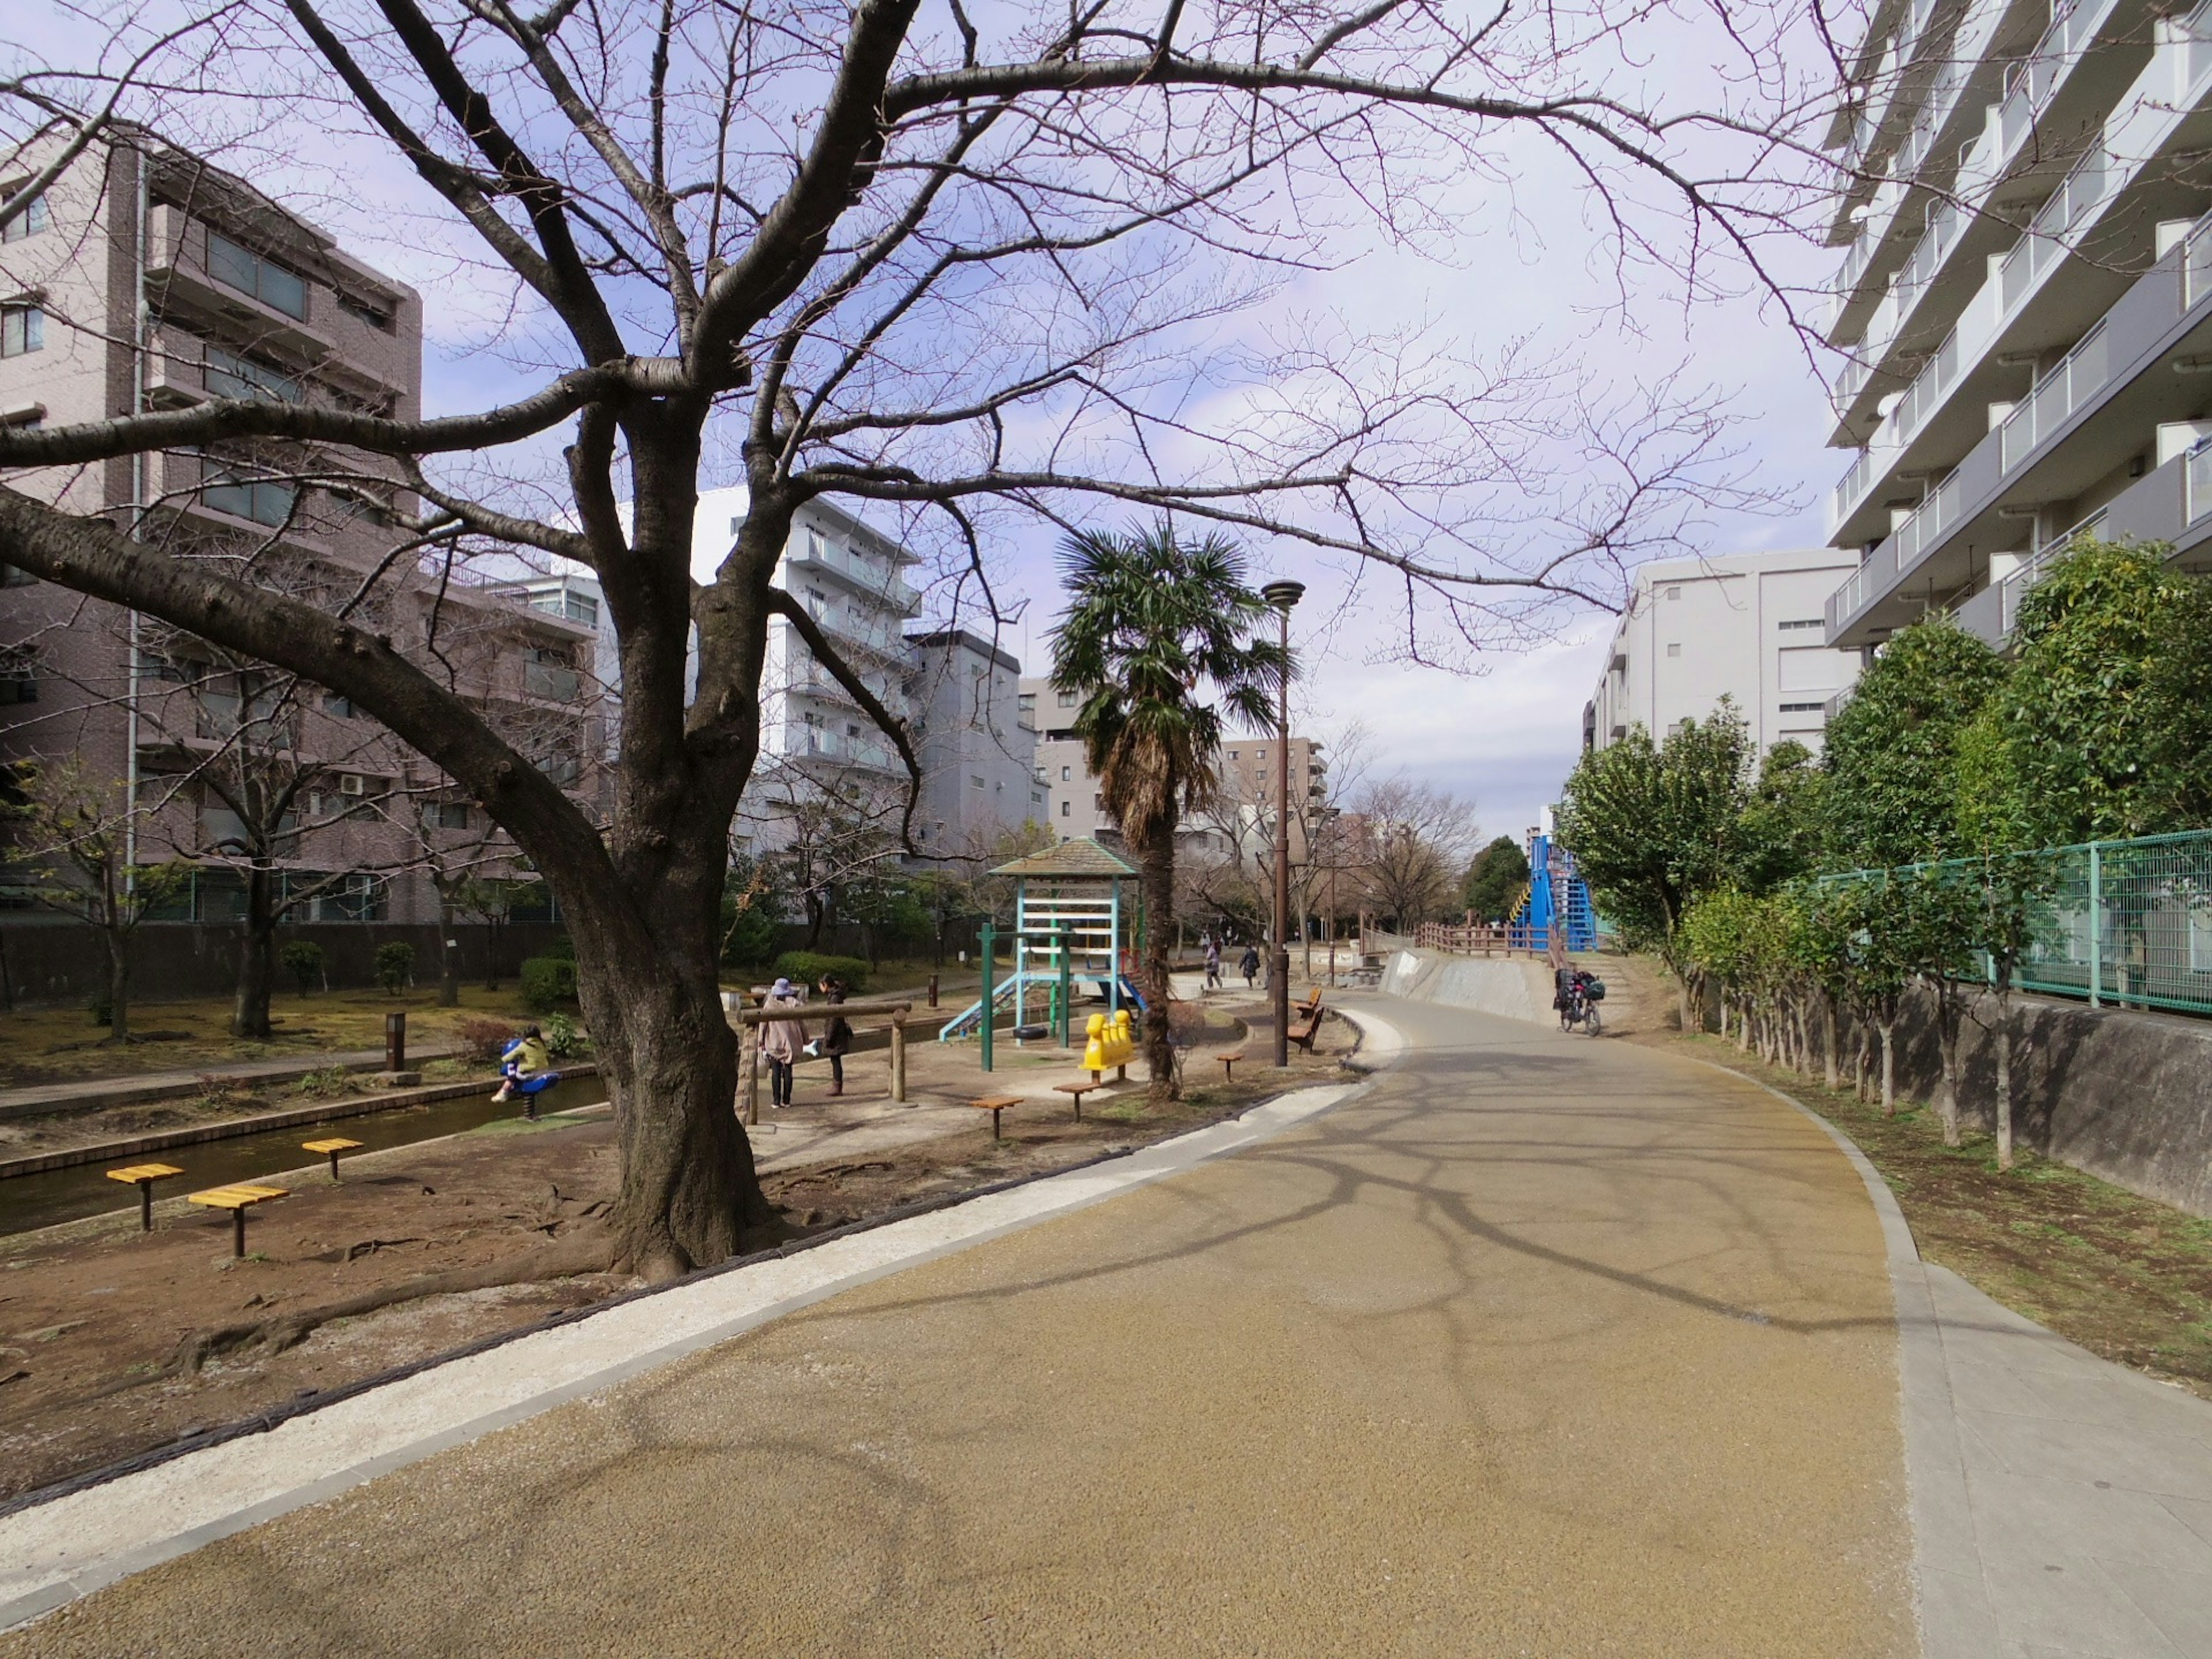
(2083, 421)
(552, 682)
(2100, 210)
(867, 574)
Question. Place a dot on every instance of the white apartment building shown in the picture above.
(1748, 626)
(975, 744)
(2026, 298)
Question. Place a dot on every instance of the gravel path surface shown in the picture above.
(1544, 1345)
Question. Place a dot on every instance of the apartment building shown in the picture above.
(975, 744)
(1241, 820)
(143, 278)
(815, 736)
(2026, 299)
(1747, 626)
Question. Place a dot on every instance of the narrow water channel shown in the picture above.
(83, 1189)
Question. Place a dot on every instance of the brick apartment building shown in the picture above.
(145, 279)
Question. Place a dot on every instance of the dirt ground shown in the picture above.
(92, 1314)
(2126, 1277)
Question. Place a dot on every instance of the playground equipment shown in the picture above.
(1068, 923)
(1112, 1042)
(1555, 895)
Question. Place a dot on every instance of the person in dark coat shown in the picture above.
(837, 1036)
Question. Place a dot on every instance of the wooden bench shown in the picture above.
(1305, 1028)
(995, 1104)
(238, 1200)
(1077, 1091)
(1228, 1064)
(143, 1176)
(1311, 1005)
(333, 1145)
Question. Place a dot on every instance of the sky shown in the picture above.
(1527, 263)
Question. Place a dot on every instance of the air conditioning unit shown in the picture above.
(353, 784)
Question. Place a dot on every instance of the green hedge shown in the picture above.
(808, 967)
(547, 983)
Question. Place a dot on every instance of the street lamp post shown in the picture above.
(1283, 595)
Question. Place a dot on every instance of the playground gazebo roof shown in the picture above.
(1071, 861)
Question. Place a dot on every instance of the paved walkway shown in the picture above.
(1538, 1346)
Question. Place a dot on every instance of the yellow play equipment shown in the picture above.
(1110, 1040)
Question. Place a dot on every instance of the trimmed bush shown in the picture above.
(561, 1036)
(395, 965)
(807, 968)
(547, 983)
(303, 960)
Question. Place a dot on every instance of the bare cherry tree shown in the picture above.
(1409, 842)
(961, 269)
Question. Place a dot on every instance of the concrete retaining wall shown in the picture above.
(2123, 1095)
(1512, 987)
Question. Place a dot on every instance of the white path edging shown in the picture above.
(58, 1551)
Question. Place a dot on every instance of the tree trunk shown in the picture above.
(2001, 1041)
(1682, 1003)
(1743, 1028)
(1156, 865)
(1946, 1044)
(669, 1058)
(1889, 1064)
(1828, 1039)
(257, 956)
(449, 959)
(118, 983)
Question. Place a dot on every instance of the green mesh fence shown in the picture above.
(2120, 923)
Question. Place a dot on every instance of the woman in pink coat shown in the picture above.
(781, 1041)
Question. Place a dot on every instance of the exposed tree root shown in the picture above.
(589, 1254)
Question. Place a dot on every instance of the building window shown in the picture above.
(1674, 650)
(358, 898)
(1803, 708)
(449, 815)
(249, 273)
(1673, 593)
(27, 220)
(11, 577)
(375, 316)
(974, 781)
(18, 681)
(22, 329)
(1064, 811)
(1067, 775)
(264, 501)
(228, 375)
(1067, 700)
(1788, 626)
(336, 707)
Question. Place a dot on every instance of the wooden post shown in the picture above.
(395, 1042)
(752, 1074)
(933, 990)
(898, 1059)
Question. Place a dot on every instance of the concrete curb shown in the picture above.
(84, 1540)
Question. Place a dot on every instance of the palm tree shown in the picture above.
(1151, 623)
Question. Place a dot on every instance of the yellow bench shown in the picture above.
(334, 1144)
(143, 1176)
(995, 1104)
(238, 1200)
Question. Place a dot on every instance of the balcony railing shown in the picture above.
(552, 682)
(2029, 87)
(2197, 483)
(2056, 396)
(1929, 387)
(1853, 484)
(1927, 522)
(2014, 587)
(2091, 181)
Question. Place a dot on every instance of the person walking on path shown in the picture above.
(836, 1036)
(1212, 963)
(781, 1040)
(1249, 965)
